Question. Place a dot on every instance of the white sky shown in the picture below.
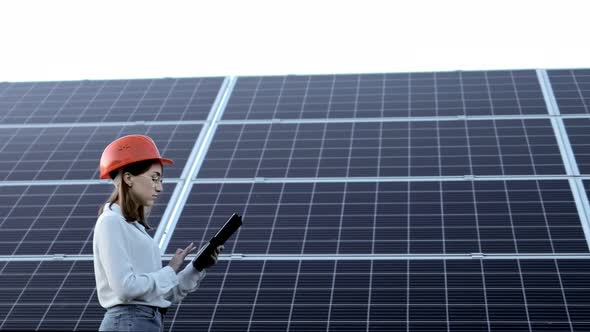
(70, 40)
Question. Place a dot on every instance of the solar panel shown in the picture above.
(474, 295)
(108, 101)
(74, 152)
(423, 148)
(55, 295)
(56, 219)
(454, 217)
(572, 90)
(579, 137)
(386, 95)
(430, 295)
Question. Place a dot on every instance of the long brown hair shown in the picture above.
(131, 209)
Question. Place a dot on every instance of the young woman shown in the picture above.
(130, 281)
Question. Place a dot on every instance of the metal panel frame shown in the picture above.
(567, 154)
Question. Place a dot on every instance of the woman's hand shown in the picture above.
(215, 255)
(211, 260)
(176, 261)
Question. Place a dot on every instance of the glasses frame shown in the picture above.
(155, 179)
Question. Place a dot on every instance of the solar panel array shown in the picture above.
(446, 201)
(400, 295)
(454, 217)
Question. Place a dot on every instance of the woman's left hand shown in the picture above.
(215, 255)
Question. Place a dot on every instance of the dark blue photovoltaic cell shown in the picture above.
(578, 131)
(429, 295)
(387, 295)
(424, 148)
(56, 219)
(50, 295)
(108, 101)
(571, 88)
(454, 217)
(386, 95)
(74, 152)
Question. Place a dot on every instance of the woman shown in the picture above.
(130, 281)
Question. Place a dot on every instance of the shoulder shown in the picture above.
(110, 220)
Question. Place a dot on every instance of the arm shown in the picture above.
(115, 260)
(188, 281)
(190, 277)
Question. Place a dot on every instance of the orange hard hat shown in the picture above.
(127, 150)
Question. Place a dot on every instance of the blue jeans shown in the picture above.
(132, 317)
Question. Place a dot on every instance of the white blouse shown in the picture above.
(128, 265)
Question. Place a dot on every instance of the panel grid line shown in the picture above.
(44, 100)
(61, 286)
(19, 296)
(563, 296)
(19, 100)
(442, 208)
(272, 227)
(485, 294)
(516, 249)
(526, 137)
(32, 224)
(579, 90)
(20, 160)
(93, 99)
(308, 217)
(90, 298)
(259, 284)
(224, 278)
(340, 227)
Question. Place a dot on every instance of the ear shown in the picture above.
(128, 178)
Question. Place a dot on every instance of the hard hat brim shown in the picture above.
(163, 161)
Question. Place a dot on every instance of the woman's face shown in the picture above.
(146, 186)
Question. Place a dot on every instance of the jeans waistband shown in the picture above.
(162, 311)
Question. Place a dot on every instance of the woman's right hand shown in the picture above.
(176, 261)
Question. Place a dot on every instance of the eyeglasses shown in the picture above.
(155, 179)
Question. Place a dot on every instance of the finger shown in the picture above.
(192, 247)
(187, 250)
(185, 253)
(178, 251)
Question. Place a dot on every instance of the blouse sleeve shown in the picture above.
(189, 280)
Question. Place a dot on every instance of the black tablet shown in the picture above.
(228, 229)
